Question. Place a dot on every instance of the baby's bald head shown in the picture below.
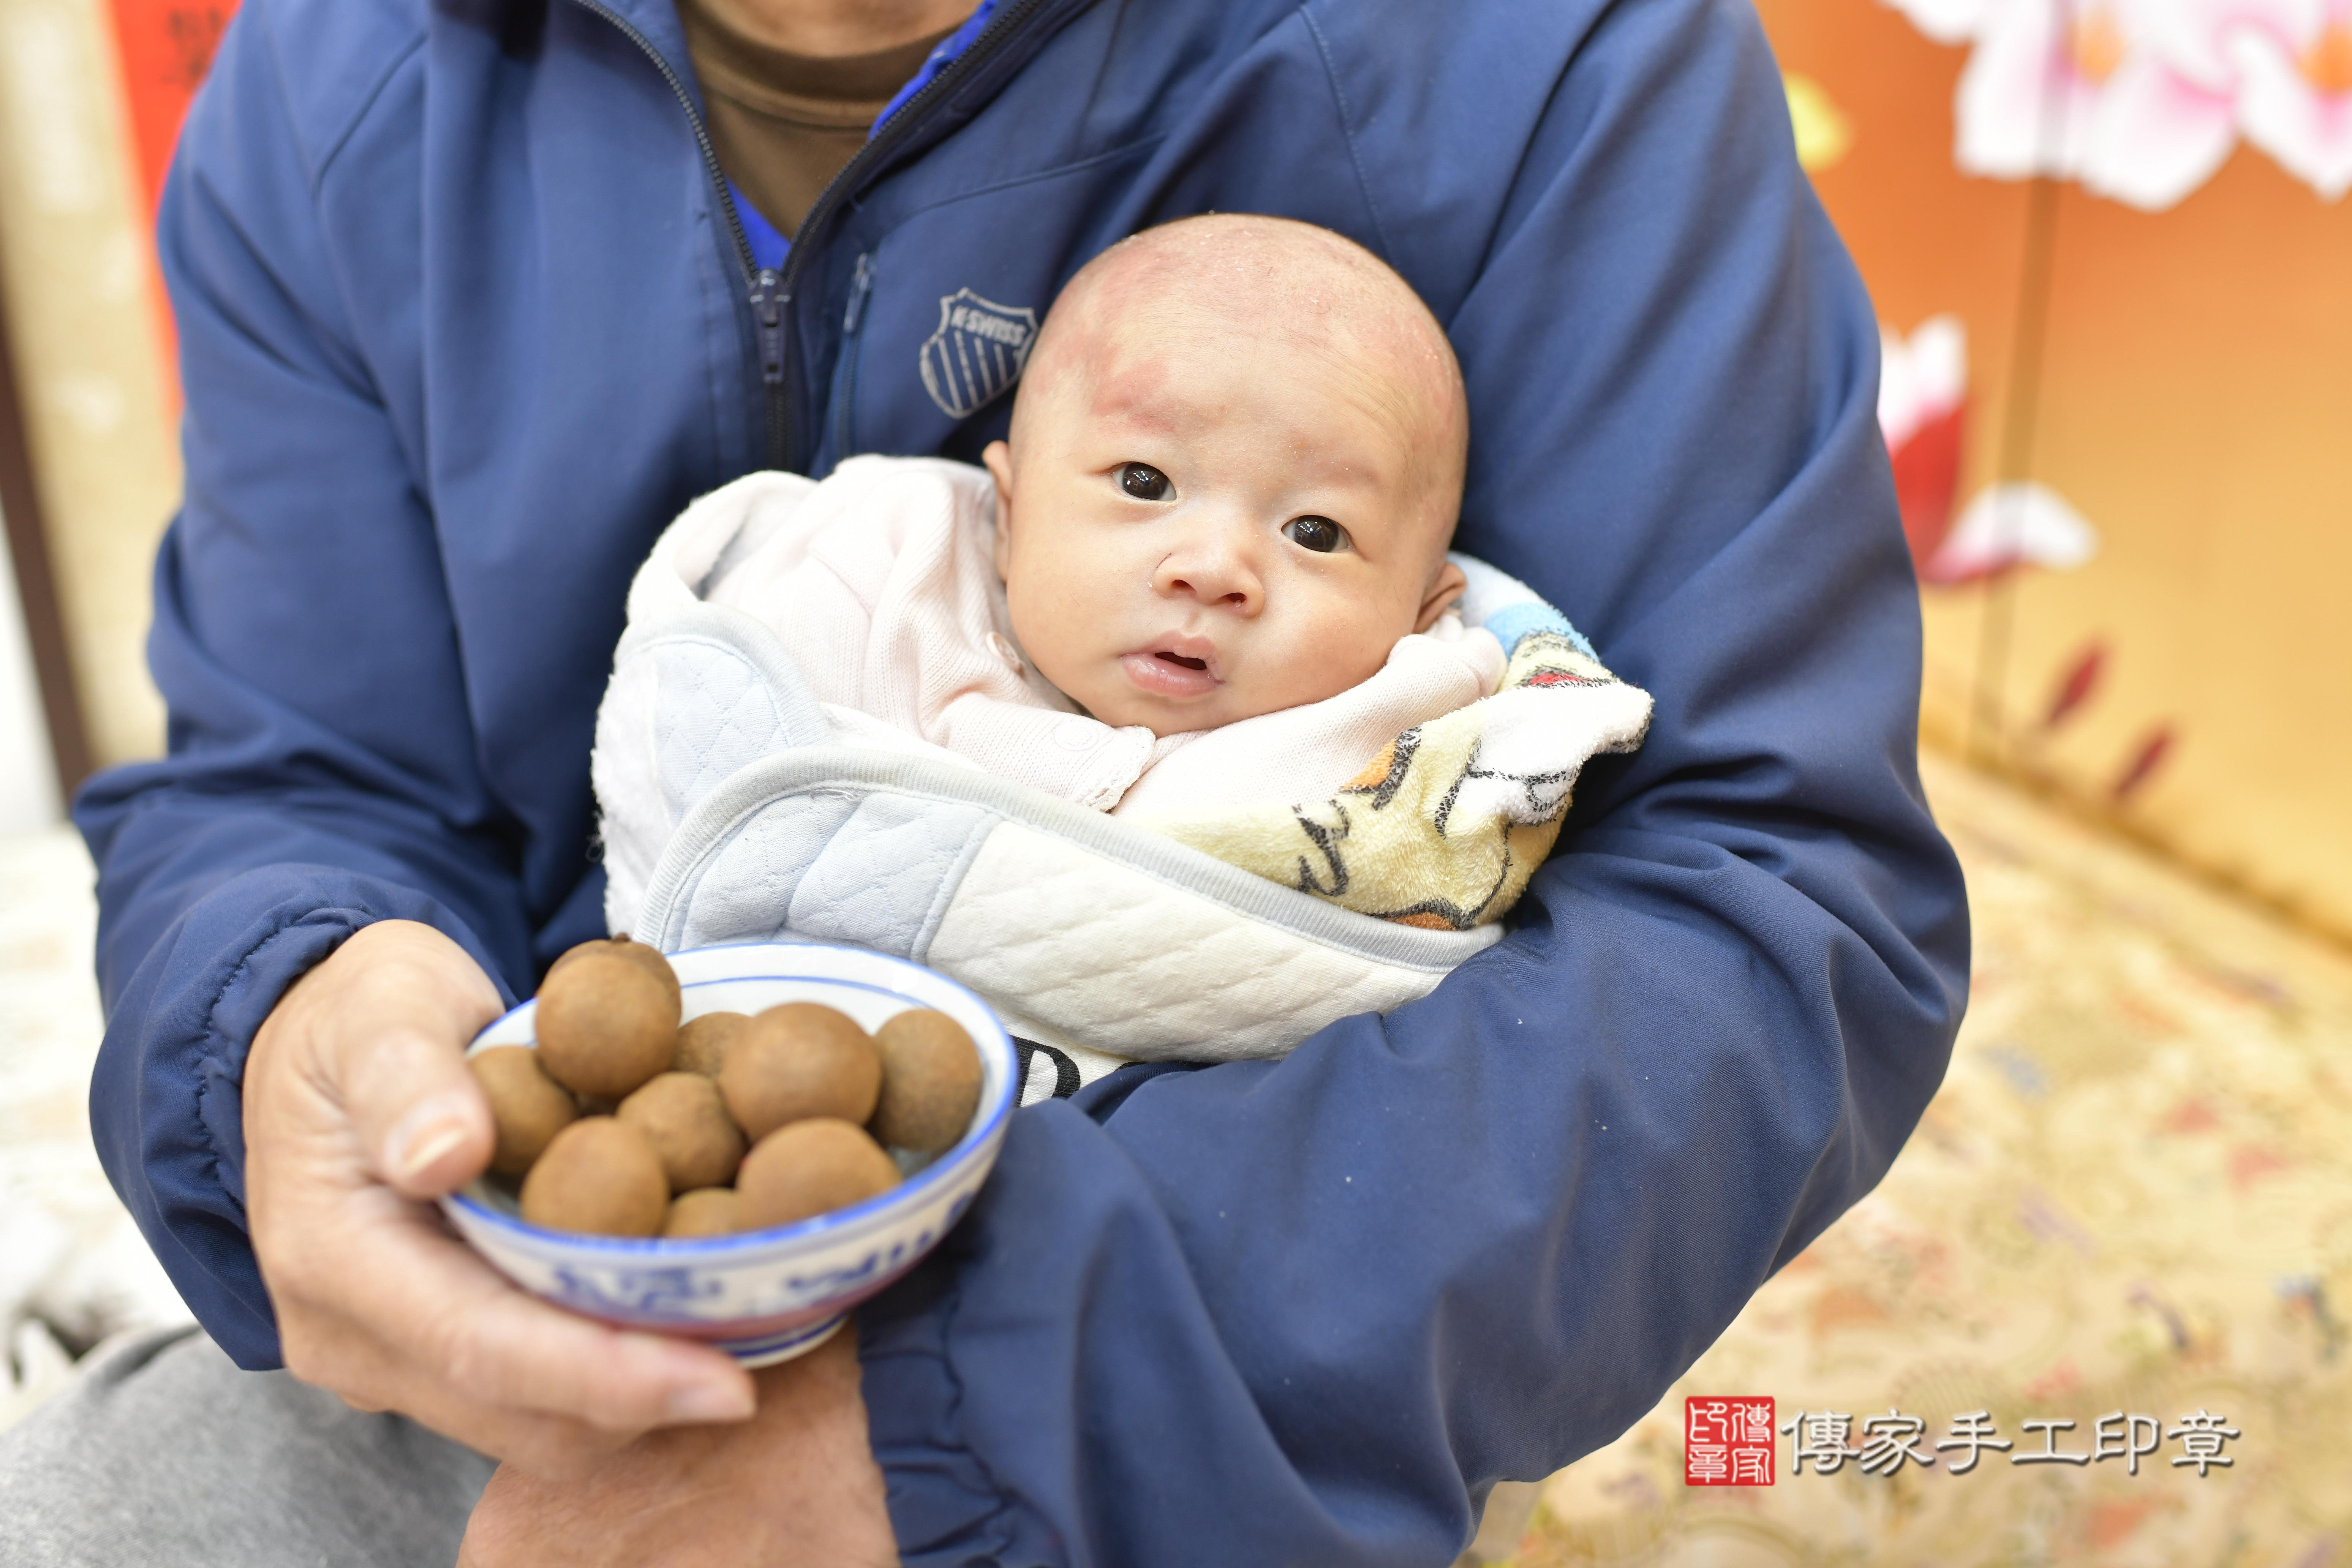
(1236, 462)
(1203, 284)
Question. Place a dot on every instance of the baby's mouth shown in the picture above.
(1183, 669)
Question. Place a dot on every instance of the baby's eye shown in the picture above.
(1319, 534)
(1144, 482)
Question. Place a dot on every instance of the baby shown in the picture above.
(1236, 462)
(1203, 586)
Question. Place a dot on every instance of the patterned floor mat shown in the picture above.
(2132, 1198)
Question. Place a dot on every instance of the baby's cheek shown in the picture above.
(1050, 630)
(1342, 645)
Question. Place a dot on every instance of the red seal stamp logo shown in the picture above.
(1728, 1441)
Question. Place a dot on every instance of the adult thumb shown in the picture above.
(430, 1131)
(422, 1121)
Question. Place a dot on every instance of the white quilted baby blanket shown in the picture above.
(734, 808)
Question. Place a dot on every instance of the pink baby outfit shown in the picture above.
(880, 583)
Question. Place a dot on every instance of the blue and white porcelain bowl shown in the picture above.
(762, 1295)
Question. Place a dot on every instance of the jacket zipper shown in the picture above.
(770, 290)
(859, 282)
(768, 302)
(769, 298)
(844, 369)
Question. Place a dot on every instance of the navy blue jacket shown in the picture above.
(465, 322)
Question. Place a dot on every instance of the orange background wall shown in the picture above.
(2193, 400)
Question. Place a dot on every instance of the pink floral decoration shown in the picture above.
(2143, 99)
(1923, 404)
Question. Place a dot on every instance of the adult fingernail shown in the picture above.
(424, 1135)
(710, 1402)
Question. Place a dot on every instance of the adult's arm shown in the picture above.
(304, 907)
(322, 774)
(1309, 1311)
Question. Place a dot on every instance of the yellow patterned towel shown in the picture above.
(1445, 826)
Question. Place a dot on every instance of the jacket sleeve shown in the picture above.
(303, 795)
(1309, 1311)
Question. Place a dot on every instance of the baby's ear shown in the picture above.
(1448, 586)
(997, 457)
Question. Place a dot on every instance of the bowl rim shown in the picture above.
(856, 1216)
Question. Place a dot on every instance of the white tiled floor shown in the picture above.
(72, 1266)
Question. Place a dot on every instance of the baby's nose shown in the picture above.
(1210, 588)
(1213, 566)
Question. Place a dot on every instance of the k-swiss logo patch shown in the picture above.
(977, 353)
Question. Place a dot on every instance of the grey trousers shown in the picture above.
(162, 1453)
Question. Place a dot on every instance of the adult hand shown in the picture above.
(359, 1110)
(797, 1485)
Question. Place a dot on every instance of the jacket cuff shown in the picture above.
(166, 1098)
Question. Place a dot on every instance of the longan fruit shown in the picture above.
(811, 1167)
(706, 1211)
(930, 1081)
(599, 1175)
(799, 1060)
(528, 1107)
(682, 1116)
(622, 946)
(702, 1042)
(607, 1023)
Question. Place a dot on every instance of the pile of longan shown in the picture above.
(625, 1123)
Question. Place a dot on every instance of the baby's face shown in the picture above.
(1198, 525)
